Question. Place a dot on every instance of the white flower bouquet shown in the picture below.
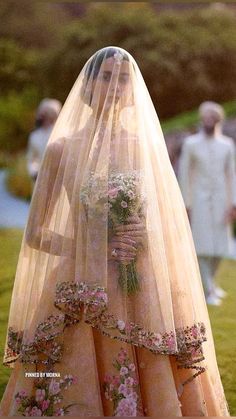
(116, 199)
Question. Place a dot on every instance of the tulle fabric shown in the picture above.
(107, 134)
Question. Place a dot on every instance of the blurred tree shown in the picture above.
(31, 23)
(18, 66)
(184, 57)
(17, 115)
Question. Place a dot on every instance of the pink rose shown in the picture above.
(112, 193)
(171, 343)
(22, 393)
(27, 411)
(35, 411)
(123, 351)
(124, 204)
(18, 400)
(108, 378)
(121, 358)
(75, 380)
(194, 331)
(116, 380)
(45, 404)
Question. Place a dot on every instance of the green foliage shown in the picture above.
(9, 251)
(17, 114)
(31, 24)
(185, 57)
(224, 332)
(18, 180)
(18, 66)
(190, 119)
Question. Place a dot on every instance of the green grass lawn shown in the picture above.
(223, 318)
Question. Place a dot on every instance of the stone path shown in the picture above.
(13, 211)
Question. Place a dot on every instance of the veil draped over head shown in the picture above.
(106, 171)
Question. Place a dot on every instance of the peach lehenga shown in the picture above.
(108, 315)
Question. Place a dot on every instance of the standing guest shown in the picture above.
(46, 116)
(207, 180)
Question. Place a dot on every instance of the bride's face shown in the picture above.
(112, 84)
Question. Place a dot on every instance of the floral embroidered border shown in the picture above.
(77, 301)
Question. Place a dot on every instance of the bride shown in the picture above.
(108, 315)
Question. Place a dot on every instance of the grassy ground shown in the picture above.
(9, 249)
(190, 119)
(222, 318)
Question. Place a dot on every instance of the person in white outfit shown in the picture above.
(207, 180)
(46, 116)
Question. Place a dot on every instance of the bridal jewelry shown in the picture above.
(118, 57)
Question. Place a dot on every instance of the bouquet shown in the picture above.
(118, 198)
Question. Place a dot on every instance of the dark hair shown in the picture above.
(93, 67)
(95, 64)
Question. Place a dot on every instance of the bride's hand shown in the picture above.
(122, 249)
(134, 230)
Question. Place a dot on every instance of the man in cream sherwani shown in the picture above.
(207, 181)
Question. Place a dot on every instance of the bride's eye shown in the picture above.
(124, 78)
(106, 76)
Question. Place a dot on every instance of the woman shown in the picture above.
(107, 293)
(46, 115)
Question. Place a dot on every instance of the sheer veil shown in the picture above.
(106, 161)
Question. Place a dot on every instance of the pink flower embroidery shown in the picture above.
(124, 371)
(45, 405)
(171, 343)
(35, 411)
(194, 330)
(39, 395)
(42, 406)
(54, 387)
(121, 325)
(129, 381)
(122, 391)
(112, 193)
(157, 339)
(132, 367)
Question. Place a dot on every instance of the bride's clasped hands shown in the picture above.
(128, 240)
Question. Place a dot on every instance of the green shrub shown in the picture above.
(17, 114)
(18, 180)
(185, 58)
(18, 66)
(31, 23)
